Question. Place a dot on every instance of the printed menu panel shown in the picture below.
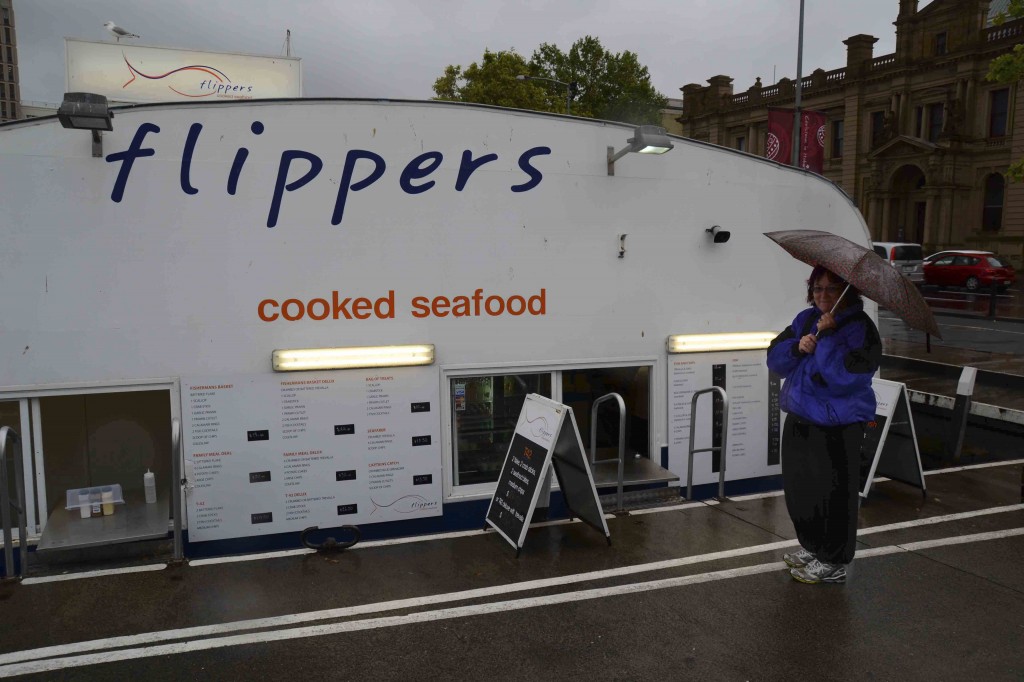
(282, 452)
(752, 436)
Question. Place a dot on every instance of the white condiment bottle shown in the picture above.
(84, 506)
(149, 483)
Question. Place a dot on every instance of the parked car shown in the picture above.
(905, 257)
(965, 252)
(971, 269)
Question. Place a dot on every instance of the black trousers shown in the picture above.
(821, 477)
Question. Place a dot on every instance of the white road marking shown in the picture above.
(46, 665)
(93, 574)
(414, 602)
(883, 479)
(675, 507)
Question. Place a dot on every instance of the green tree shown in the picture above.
(492, 81)
(602, 84)
(1009, 68)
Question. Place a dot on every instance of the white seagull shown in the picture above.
(118, 32)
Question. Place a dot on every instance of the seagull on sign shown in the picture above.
(118, 32)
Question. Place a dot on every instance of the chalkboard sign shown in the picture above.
(890, 441)
(546, 435)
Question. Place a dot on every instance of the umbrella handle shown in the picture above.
(838, 301)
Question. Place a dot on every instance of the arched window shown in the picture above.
(992, 210)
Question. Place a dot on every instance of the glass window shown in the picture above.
(907, 252)
(940, 44)
(10, 54)
(877, 127)
(935, 112)
(582, 387)
(837, 139)
(10, 415)
(999, 103)
(741, 143)
(948, 260)
(484, 411)
(6, 13)
(3, 109)
(992, 211)
(918, 121)
(105, 438)
(995, 262)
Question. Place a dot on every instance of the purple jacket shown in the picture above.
(832, 386)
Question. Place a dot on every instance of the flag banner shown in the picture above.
(812, 140)
(779, 145)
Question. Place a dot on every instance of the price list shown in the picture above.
(752, 436)
(271, 454)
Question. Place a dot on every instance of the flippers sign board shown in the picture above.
(546, 435)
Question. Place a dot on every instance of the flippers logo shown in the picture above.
(194, 81)
(407, 504)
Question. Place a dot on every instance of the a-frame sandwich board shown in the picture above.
(890, 442)
(546, 436)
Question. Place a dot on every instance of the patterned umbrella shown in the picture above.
(862, 268)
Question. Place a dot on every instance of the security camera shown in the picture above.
(720, 236)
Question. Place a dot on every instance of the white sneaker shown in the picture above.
(820, 572)
(798, 559)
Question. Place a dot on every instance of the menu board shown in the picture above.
(752, 440)
(545, 435)
(281, 452)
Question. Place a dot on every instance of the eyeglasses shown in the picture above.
(831, 288)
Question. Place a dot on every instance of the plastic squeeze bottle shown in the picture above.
(149, 483)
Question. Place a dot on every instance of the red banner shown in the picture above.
(779, 145)
(812, 140)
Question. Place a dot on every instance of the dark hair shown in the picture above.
(852, 296)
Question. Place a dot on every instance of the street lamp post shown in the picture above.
(570, 88)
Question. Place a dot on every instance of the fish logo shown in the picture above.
(214, 81)
(407, 504)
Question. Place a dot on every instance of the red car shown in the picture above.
(969, 269)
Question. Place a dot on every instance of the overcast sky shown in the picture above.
(397, 48)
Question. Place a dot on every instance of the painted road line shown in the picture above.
(372, 543)
(415, 602)
(675, 507)
(883, 479)
(191, 646)
(93, 574)
(939, 519)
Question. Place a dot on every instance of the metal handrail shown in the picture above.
(720, 448)
(6, 505)
(622, 439)
(177, 483)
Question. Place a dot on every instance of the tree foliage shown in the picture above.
(598, 83)
(1009, 68)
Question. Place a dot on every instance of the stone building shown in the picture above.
(918, 138)
(10, 93)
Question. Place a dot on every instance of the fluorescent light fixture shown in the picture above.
(705, 343)
(353, 357)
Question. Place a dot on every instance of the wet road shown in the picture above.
(694, 592)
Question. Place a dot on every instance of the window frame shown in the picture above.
(485, 491)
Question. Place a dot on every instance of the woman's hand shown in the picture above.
(808, 344)
(826, 321)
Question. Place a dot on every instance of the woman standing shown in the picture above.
(828, 357)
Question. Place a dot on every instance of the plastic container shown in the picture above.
(149, 483)
(83, 499)
(83, 505)
(107, 498)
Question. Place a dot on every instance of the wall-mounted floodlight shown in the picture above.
(719, 235)
(86, 111)
(645, 140)
(705, 343)
(353, 357)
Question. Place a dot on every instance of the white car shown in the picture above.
(903, 256)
